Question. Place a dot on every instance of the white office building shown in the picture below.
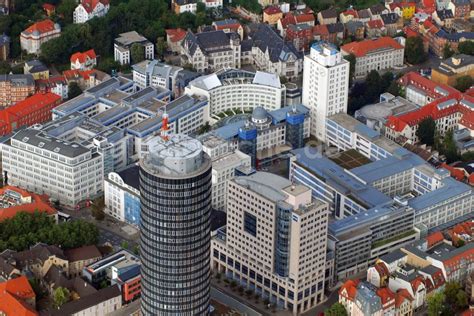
(226, 163)
(274, 242)
(241, 90)
(325, 85)
(66, 171)
(124, 42)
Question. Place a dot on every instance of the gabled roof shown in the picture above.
(320, 29)
(330, 13)
(272, 10)
(389, 18)
(82, 57)
(401, 296)
(89, 5)
(49, 7)
(82, 253)
(360, 49)
(445, 14)
(335, 28)
(266, 39)
(176, 35)
(350, 12)
(351, 287)
(375, 24)
(386, 296)
(13, 294)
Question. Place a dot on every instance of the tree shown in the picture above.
(137, 52)
(73, 90)
(426, 131)
(66, 9)
(449, 148)
(200, 7)
(136, 250)
(414, 50)
(462, 300)
(5, 67)
(97, 209)
(352, 61)
(61, 296)
(108, 65)
(435, 304)
(395, 89)
(451, 290)
(124, 244)
(447, 51)
(336, 309)
(466, 47)
(463, 83)
(161, 46)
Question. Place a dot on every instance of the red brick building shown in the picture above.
(33, 110)
(300, 35)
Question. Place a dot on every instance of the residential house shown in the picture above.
(229, 26)
(272, 54)
(348, 15)
(57, 277)
(35, 35)
(328, 16)
(84, 61)
(174, 38)
(460, 8)
(4, 47)
(272, 14)
(403, 303)
(36, 68)
(124, 43)
(321, 32)
(211, 51)
(80, 257)
(54, 84)
(88, 9)
(364, 15)
(212, 4)
(355, 30)
(335, 32)
(452, 68)
(378, 54)
(18, 200)
(85, 79)
(15, 88)
(300, 35)
(297, 17)
(426, 6)
(406, 277)
(444, 18)
(49, 8)
(182, 6)
(375, 29)
(17, 297)
(102, 302)
(377, 10)
(392, 22)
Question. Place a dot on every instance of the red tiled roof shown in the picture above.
(89, 5)
(360, 49)
(12, 294)
(434, 239)
(375, 24)
(38, 203)
(272, 10)
(386, 295)
(42, 27)
(351, 287)
(401, 296)
(320, 29)
(409, 32)
(75, 74)
(455, 173)
(305, 17)
(48, 7)
(33, 103)
(471, 179)
(176, 35)
(351, 12)
(468, 120)
(82, 57)
(425, 84)
(416, 283)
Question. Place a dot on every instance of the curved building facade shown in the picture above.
(175, 188)
(240, 89)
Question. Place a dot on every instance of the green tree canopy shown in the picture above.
(466, 47)
(73, 90)
(137, 53)
(352, 61)
(414, 51)
(426, 131)
(336, 309)
(61, 296)
(5, 67)
(463, 83)
(436, 304)
(447, 51)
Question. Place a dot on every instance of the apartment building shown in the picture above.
(35, 35)
(88, 9)
(124, 42)
(325, 85)
(15, 88)
(235, 89)
(270, 231)
(211, 51)
(84, 60)
(378, 54)
(156, 74)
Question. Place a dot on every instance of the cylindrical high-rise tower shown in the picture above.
(175, 188)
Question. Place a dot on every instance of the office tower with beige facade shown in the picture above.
(274, 242)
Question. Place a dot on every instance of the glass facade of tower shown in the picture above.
(175, 242)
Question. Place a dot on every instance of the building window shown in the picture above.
(250, 224)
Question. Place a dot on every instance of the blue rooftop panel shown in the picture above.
(367, 131)
(280, 114)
